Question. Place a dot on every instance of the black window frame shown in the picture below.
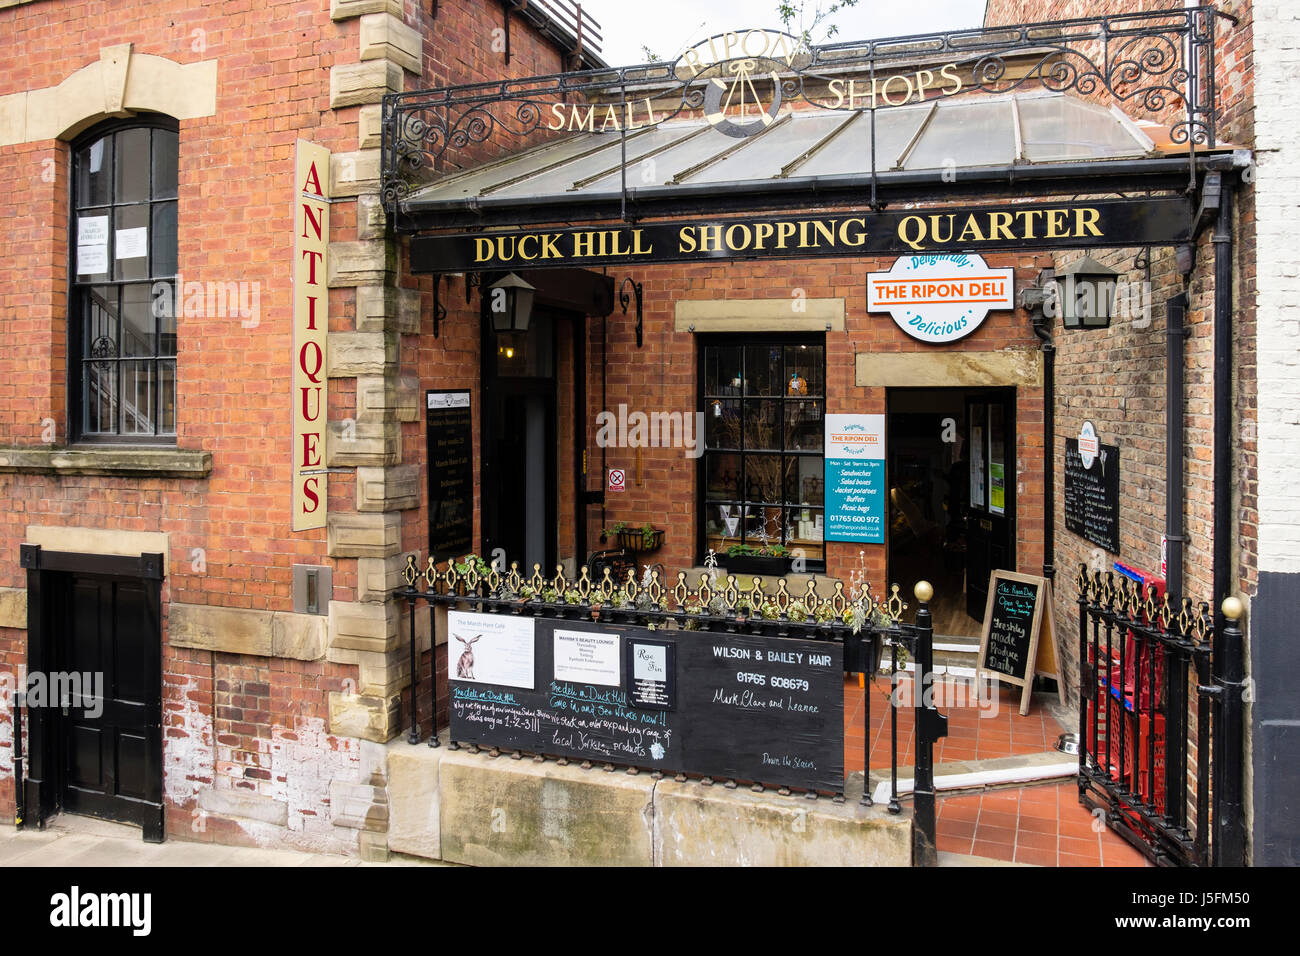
(75, 363)
(743, 340)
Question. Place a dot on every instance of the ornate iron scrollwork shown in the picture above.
(1152, 62)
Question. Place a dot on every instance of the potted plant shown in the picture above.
(640, 540)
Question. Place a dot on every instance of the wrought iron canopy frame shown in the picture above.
(1148, 62)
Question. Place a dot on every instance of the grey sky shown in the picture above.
(669, 26)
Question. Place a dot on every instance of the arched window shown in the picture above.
(122, 237)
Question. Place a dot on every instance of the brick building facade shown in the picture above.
(272, 718)
(266, 713)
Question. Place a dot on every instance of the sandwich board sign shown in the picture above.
(1018, 641)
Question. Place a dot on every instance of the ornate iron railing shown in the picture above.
(864, 623)
(1148, 62)
(1148, 717)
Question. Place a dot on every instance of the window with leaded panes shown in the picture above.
(763, 479)
(122, 237)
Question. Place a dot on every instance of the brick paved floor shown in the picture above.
(1042, 824)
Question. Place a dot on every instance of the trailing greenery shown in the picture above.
(648, 532)
(765, 551)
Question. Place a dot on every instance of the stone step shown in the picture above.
(988, 774)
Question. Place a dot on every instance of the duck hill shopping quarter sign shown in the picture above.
(311, 230)
(905, 232)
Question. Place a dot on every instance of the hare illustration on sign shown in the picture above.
(465, 665)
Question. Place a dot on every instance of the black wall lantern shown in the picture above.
(510, 300)
(1084, 294)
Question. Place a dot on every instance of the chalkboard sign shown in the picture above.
(1092, 495)
(1019, 608)
(730, 706)
(450, 439)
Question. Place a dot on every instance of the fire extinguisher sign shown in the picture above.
(617, 480)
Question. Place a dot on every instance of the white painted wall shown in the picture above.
(1277, 192)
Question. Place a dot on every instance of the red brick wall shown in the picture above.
(662, 376)
(1117, 377)
(231, 543)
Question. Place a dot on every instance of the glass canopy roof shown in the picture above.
(1032, 127)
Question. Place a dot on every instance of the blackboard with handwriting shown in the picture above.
(1019, 608)
(450, 436)
(728, 706)
(1092, 495)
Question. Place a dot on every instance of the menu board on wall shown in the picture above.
(1092, 495)
(450, 438)
(855, 478)
(729, 706)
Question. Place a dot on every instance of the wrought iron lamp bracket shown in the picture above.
(624, 299)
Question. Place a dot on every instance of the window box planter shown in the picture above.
(761, 564)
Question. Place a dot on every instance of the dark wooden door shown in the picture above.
(990, 523)
(108, 647)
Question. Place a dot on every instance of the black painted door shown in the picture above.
(990, 523)
(108, 648)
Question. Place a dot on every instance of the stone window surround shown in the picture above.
(118, 84)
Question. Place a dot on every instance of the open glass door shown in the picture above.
(990, 524)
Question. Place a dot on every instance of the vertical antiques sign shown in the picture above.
(855, 478)
(311, 231)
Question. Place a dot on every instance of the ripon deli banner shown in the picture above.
(1136, 222)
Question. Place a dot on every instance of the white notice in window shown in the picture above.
(132, 243)
(92, 260)
(92, 231)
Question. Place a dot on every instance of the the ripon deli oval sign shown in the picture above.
(940, 298)
(971, 229)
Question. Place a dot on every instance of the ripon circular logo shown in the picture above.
(940, 298)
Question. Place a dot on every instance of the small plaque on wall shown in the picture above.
(1092, 495)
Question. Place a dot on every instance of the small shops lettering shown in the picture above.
(889, 232)
(739, 58)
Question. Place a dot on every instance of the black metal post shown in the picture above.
(19, 801)
(1229, 842)
(414, 736)
(894, 805)
(433, 677)
(868, 659)
(930, 726)
(1087, 684)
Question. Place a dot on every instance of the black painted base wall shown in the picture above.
(1275, 720)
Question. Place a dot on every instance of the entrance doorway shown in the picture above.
(519, 444)
(951, 468)
(96, 641)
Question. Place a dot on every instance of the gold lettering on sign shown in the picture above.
(925, 232)
(310, 327)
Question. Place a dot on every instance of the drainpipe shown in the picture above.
(1175, 337)
(1034, 300)
(1229, 664)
